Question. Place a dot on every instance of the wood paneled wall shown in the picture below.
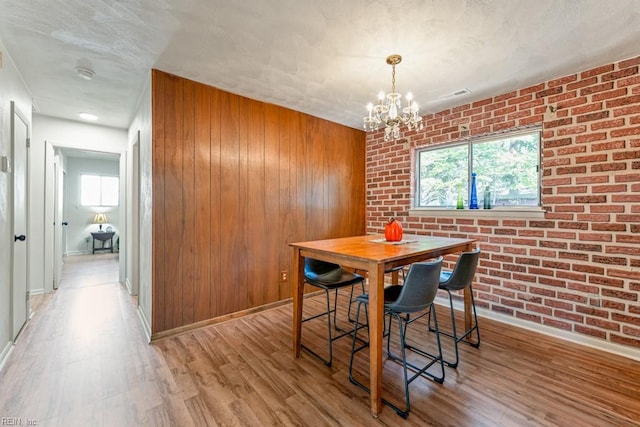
(234, 181)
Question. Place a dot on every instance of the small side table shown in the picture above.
(103, 236)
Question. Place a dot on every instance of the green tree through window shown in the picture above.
(507, 166)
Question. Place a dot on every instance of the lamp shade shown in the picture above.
(100, 218)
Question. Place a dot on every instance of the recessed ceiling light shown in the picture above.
(87, 116)
(85, 73)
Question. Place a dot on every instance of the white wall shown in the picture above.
(142, 123)
(65, 134)
(80, 218)
(12, 88)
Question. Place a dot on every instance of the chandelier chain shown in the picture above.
(393, 79)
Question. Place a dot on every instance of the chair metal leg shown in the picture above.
(402, 328)
(454, 334)
(351, 300)
(330, 336)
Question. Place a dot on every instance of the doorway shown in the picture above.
(73, 220)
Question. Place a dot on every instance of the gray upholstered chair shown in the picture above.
(461, 278)
(414, 296)
(330, 277)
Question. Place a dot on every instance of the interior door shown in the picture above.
(58, 237)
(19, 294)
(135, 208)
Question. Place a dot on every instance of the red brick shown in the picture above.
(599, 323)
(627, 72)
(620, 101)
(625, 341)
(592, 269)
(608, 227)
(573, 255)
(529, 317)
(632, 320)
(606, 281)
(592, 179)
(591, 137)
(624, 274)
(569, 316)
(601, 88)
(557, 324)
(590, 331)
(595, 237)
(590, 311)
(609, 260)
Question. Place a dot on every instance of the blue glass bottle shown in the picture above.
(473, 200)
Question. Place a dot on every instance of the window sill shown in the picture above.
(521, 213)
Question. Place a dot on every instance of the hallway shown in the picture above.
(82, 355)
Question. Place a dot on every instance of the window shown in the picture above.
(507, 169)
(98, 190)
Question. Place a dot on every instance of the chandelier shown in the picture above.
(389, 113)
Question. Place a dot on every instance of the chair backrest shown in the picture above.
(419, 288)
(321, 270)
(463, 272)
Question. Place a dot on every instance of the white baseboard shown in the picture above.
(4, 356)
(145, 324)
(36, 291)
(620, 350)
(127, 283)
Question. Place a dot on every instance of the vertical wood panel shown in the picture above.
(158, 215)
(174, 205)
(287, 180)
(189, 203)
(242, 216)
(230, 170)
(215, 254)
(203, 192)
(235, 181)
(256, 209)
(275, 232)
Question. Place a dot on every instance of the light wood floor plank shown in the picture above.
(83, 360)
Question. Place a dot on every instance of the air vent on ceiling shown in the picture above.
(460, 92)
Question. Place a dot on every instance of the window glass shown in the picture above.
(506, 167)
(98, 190)
(110, 191)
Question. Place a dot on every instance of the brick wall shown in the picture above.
(578, 269)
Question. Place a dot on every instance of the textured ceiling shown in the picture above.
(322, 57)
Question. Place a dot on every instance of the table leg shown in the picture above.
(297, 279)
(394, 277)
(376, 326)
(468, 318)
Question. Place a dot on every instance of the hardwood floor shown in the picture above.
(83, 360)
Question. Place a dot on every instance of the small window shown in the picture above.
(98, 190)
(507, 169)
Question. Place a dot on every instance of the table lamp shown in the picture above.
(100, 219)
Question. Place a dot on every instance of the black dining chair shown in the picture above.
(330, 277)
(414, 296)
(460, 278)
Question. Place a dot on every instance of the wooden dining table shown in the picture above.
(371, 253)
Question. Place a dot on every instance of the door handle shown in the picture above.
(65, 223)
(21, 237)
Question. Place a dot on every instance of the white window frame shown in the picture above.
(514, 211)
